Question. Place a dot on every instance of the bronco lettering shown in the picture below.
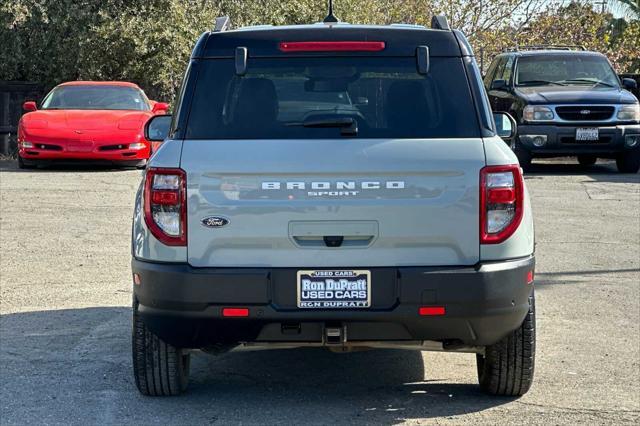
(334, 185)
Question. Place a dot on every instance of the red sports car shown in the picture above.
(99, 122)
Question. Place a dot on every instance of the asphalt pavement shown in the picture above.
(65, 295)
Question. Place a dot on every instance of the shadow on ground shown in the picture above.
(602, 171)
(545, 279)
(74, 365)
(11, 166)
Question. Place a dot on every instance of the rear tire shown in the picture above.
(629, 161)
(160, 369)
(587, 160)
(507, 367)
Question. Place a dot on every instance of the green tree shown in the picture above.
(579, 24)
(149, 42)
(146, 42)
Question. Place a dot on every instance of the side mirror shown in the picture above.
(29, 106)
(629, 83)
(506, 126)
(157, 128)
(498, 85)
(160, 107)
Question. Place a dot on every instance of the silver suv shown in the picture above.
(333, 185)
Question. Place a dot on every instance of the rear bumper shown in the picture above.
(561, 139)
(183, 305)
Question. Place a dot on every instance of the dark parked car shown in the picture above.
(567, 103)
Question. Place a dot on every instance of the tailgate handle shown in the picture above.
(333, 241)
(333, 234)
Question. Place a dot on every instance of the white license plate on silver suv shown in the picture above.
(334, 289)
(587, 134)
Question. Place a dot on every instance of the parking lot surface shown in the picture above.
(65, 322)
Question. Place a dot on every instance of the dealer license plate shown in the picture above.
(587, 134)
(334, 289)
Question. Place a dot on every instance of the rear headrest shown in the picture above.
(257, 102)
(405, 101)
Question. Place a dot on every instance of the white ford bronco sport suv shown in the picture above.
(333, 185)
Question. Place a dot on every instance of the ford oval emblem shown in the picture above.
(214, 222)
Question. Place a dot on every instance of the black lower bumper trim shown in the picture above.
(79, 162)
(183, 305)
(561, 139)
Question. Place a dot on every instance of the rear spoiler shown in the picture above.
(439, 41)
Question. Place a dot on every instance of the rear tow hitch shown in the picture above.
(335, 335)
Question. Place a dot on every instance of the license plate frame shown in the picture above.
(332, 280)
(587, 134)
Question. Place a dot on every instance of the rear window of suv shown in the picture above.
(278, 97)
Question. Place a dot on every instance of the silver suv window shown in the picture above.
(316, 97)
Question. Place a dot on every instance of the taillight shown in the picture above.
(501, 202)
(165, 205)
(332, 46)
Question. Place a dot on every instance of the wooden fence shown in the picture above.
(12, 95)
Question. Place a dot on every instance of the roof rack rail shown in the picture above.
(222, 24)
(439, 22)
(545, 47)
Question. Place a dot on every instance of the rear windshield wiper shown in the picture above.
(588, 81)
(348, 125)
(539, 83)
